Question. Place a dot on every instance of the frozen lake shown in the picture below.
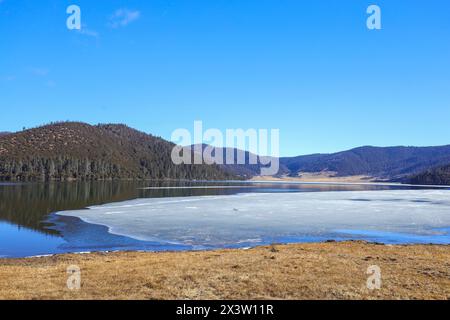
(40, 219)
(247, 219)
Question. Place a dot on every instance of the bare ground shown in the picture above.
(301, 271)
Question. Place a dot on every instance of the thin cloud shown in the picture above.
(123, 17)
(9, 77)
(88, 32)
(50, 84)
(40, 72)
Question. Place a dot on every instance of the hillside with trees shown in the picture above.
(384, 163)
(434, 176)
(391, 163)
(79, 151)
(250, 167)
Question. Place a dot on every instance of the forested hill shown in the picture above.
(74, 150)
(435, 176)
(251, 166)
(387, 163)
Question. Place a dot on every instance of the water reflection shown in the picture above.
(29, 204)
(27, 226)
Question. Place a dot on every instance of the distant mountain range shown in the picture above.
(4, 133)
(73, 150)
(245, 170)
(390, 163)
(400, 164)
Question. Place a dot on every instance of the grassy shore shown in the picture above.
(301, 271)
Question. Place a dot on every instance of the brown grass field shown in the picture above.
(300, 271)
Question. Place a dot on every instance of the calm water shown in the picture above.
(28, 225)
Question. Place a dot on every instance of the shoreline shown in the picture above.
(264, 245)
(256, 179)
(339, 182)
(329, 270)
(56, 255)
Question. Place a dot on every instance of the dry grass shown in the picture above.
(303, 271)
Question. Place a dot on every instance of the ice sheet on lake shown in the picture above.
(257, 217)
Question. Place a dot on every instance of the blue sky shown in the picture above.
(310, 68)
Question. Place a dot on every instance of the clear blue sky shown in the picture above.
(310, 68)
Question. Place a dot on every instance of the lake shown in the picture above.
(41, 219)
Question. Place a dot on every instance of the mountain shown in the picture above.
(3, 133)
(435, 176)
(75, 150)
(243, 170)
(383, 163)
(390, 163)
